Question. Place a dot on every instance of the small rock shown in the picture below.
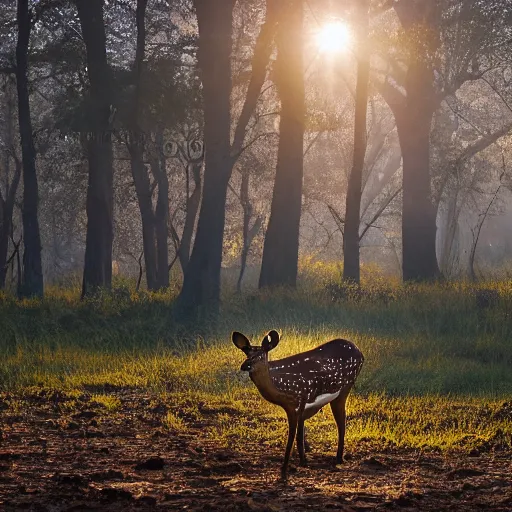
(94, 434)
(113, 494)
(404, 501)
(87, 415)
(464, 473)
(149, 501)
(373, 463)
(151, 464)
(474, 453)
(220, 455)
(109, 474)
(9, 456)
(67, 479)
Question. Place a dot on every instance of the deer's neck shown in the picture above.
(263, 381)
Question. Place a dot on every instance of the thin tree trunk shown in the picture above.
(351, 253)
(144, 199)
(6, 226)
(281, 247)
(5, 230)
(248, 232)
(137, 146)
(193, 203)
(32, 281)
(476, 235)
(162, 216)
(100, 194)
(7, 203)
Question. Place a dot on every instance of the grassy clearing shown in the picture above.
(437, 372)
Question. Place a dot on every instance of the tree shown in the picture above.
(98, 143)
(448, 43)
(201, 286)
(9, 180)
(32, 282)
(351, 267)
(154, 222)
(281, 248)
(413, 113)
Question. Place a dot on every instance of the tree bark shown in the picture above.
(137, 148)
(413, 112)
(145, 201)
(7, 203)
(100, 194)
(32, 281)
(418, 211)
(201, 286)
(351, 254)
(161, 214)
(193, 203)
(249, 232)
(281, 247)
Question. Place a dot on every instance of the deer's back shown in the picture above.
(324, 370)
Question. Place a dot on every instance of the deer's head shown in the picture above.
(256, 356)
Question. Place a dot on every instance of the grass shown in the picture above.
(437, 373)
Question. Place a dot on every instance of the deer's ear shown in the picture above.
(241, 341)
(270, 341)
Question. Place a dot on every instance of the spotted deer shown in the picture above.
(302, 384)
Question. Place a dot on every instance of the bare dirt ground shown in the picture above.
(54, 458)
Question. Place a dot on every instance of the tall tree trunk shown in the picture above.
(100, 194)
(351, 254)
(32, 283)
(413, 111)
(418, 211)
(281, 247)
(201, 286)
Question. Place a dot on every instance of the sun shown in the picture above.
(333, 37)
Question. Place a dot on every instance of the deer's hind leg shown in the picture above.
(301, 441)
(339, 412)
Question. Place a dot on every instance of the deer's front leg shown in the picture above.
(292, 429)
